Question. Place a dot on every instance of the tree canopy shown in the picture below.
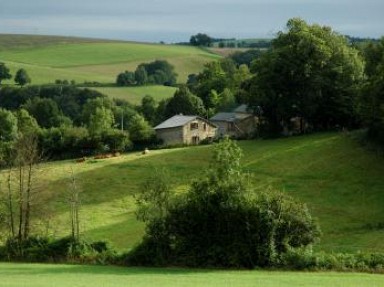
(184, 102)
(4, 72)
(310, 72)
(22, 78)
(201, 39)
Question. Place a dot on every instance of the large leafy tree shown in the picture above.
(22, 78)
(148, 108)
(200, 39)
(310, 72)
(214, 79)
(46, 112)
(8, 125)
(372, 98)
(159, 72)
(184, 102)
(4, 72)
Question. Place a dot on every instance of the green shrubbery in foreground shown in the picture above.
(65, 250)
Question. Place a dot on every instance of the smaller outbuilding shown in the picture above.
(240, 123)
(182, 129)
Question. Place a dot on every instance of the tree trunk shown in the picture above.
(10, 206)
(21, 202)
(28, 200)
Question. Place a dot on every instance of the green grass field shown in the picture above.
(49, 58)
(135, 94)
(341, 182)
(45, 275)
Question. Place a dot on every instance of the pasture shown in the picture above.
(135, 94)
(49, 58)
(341, 182)
(45, 275)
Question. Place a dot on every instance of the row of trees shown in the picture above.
(73, 122)
(21, 78)
(159, 72)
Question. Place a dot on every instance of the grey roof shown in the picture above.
(229, 117)
(178, 121)
(242, 109)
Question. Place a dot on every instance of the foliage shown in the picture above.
(312, 73)
(154, 197)
(126, 79)
(184, 102)
(141, 75)
(148, 109)
(8, 124)
(100, 121)
(201, 39)
(22, 78)
(372, 96)
(246, 57)
(216, 223)
(139, 129)
(46, 112)
(4, 72)
(159, 72)
(216, 81)
(44, 249)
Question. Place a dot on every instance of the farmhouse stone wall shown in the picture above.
(241, 128)
(191, 133)
(198, 130)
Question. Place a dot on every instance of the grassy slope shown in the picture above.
(341, 183)
(47, 58)
(135, 94)
(43, 275)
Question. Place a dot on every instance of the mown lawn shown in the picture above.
(45, 275)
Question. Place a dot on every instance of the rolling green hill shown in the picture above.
(341, 182)
(47, 58)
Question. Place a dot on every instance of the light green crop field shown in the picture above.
(341, 182)
(48, 58)
(135, 94)
(45, 275)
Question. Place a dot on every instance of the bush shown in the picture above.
(66, 249)
(217, 224)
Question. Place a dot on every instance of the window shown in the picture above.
(194, 126)
(205, 127)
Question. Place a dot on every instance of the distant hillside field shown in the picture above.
(47, 58)
(341, 182)
(135, 94)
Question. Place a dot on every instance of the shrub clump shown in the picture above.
(222, 222)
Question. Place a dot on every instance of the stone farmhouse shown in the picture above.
(182, 129)
(240, 123)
